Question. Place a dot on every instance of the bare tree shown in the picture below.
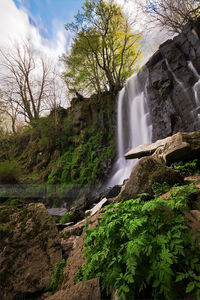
(171, 14)
(27, 82)
(10, 108)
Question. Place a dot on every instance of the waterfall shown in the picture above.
(133, 126)
(196, 88)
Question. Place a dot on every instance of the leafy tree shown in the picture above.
(104, 50)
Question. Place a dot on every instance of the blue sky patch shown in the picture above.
(48, 14)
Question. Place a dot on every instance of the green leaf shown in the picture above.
(190, 287)
(181, 276)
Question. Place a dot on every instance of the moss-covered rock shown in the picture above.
(146, 172)
(29, 248)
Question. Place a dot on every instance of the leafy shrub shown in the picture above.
(9, 172)
(144, 249)
(187, 168)
(56, 276)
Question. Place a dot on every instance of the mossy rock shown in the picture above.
(29, 248)
(146, 172)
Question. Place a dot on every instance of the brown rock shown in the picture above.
(181, 146)
(76, 229)
(29, 249)
(192, 179)
(194, 217)
(68, 246)
(89, 291)
(144, 174)
(70, 289)
(145, 149)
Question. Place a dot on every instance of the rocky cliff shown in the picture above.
(173, 83)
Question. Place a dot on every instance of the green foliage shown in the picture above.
(9, 172)
(4, 228)
(57, 276)
(144, 249)
(65, 218)
(62, 150)
(56, 219)
(188, 168)
(12, 202)
(104, 50)
(160, 188)
(82, 164)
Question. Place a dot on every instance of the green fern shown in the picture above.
(144, 249)
(188, 168)
(56, 276)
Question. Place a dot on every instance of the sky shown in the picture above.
(49, 15)
(42, 22)
(39, 21)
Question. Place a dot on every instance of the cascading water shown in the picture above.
(196, 88)
(133, 126)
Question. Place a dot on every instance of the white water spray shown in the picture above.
(133, 127)
(196, 87)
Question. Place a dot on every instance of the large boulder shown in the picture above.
(146, 172)
(29, 249)
(180, 146)
(145, 149)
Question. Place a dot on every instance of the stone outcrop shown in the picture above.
(181, 146)
(145, 149)
(144, 174)
(29, 249)
(70, 289)
(172, 73)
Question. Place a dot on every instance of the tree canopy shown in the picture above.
(104, 50)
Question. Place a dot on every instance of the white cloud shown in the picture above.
(15, 26)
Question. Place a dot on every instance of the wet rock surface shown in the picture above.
(173, 71)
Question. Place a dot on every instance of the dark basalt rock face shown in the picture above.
(170, 83)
